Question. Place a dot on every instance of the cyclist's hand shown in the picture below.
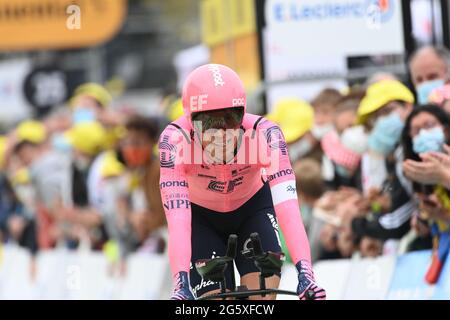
(307, 288)
(182, 289)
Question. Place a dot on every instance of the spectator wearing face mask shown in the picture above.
(324, 105)
(124, 187)
(342, 157)
(92, 102)
(428, 67)
(17, 220)
(49, 175)
(426, 152)
(383, 112)
(424, 138)
(296, 119)
(345, 114)
(78, 219)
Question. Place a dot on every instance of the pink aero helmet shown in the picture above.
(212, 87)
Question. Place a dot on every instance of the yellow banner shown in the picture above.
(242, 17)
(223, 20)
(59, 24)
(241, 55)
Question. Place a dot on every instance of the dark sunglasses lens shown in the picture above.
(211, 120)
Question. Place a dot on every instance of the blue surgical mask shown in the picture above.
(429, 140)
(81, 115)
(424, 90)
(386, 134)
(61, 144)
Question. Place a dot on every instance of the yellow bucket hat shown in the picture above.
(94, 90)
(381, 93)
(87, 137)
(294, 116)
(31, 131)
(111, 166)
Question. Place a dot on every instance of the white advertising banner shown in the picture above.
(370, 278)
(330, 275)
(314, 38)
(13, 105)
(69, 275)
(343, 27)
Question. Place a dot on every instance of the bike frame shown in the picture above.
(268, 264)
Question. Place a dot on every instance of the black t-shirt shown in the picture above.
(79, 187)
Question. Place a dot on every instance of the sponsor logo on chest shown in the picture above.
(225, 186)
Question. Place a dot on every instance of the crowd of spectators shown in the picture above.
(372, 166)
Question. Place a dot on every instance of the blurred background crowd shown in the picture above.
(370, 147)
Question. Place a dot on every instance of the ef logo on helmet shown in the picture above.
(197, 102)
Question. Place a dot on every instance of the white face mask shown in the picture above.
(319, 131)
(299, 149)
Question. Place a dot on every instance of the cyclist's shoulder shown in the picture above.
(256, 122)
(175, 129)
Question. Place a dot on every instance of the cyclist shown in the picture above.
(226, 190)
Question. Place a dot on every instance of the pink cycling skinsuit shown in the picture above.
(219, 190)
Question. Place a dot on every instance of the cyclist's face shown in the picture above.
(219, 131)
(220, 144)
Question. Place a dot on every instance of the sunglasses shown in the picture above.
(218, 119)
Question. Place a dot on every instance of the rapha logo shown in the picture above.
(291, 189)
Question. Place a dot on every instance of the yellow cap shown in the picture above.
(94, 90)
(111, 167)
(294, 116)
(175, 110)
(87, 137)
(31, 131)
(381, 93)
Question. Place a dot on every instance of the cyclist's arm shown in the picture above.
(175, 199)
(283, 188)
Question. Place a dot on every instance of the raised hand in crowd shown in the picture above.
(433, 169)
